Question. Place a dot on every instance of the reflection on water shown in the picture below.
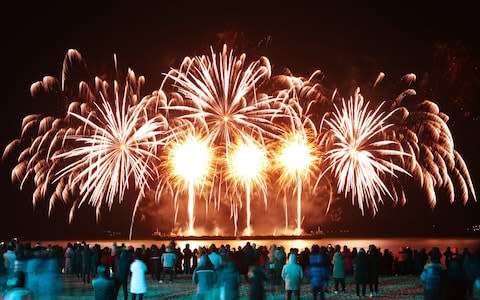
(384, 243)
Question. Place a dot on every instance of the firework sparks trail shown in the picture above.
(297, 155)
(190, 160)
(297, 161)
(247, 168)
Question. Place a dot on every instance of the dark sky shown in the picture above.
(350, 42)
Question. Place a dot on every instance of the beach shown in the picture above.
(390, 287)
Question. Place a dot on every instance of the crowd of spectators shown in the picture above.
(217, 272)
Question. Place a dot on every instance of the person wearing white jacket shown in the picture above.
(138, 281)
(292, 274)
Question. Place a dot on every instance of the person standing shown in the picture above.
(50, 282)
(85, 259)
(456, 288)
(360, 269)
(187, 259)
(214, 257)
(292, 274)
(217, 263)
(194, 259)
(121, 272)
(169, 259)
(204, 277)
(318, 272)
(229, 280)
(9, 258)
(103, 286)
(155, 262)
(33, 271)
(431, 276)
(257, 277)
(347, 260)
(373, 259)
(69, 257)
(279, 258)
(138, 282)
(338, 269)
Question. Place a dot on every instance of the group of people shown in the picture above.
(457, 278)
(218, 273)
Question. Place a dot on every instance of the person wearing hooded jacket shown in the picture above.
(138, 282)
(292, 274)
(318, 272)
(431, 276)
(204, 277)
(338, 269)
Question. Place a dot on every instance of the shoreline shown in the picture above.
(391, 243)
(264, 237)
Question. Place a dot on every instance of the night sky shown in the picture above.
(350, 43)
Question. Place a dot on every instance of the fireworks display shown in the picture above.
(224, 130)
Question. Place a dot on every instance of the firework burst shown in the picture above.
(221, 94)
(118, 144)
(43, 135)
(360, 156)
(422, 131)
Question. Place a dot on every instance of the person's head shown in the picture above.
(212, 248)
(292, 258)
(138, 254)
(229, 262)
(102, 270)
(203, 261)
(435, 255)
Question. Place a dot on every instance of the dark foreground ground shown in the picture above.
(394, 287)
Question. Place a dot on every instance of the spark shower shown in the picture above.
(228, 133)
